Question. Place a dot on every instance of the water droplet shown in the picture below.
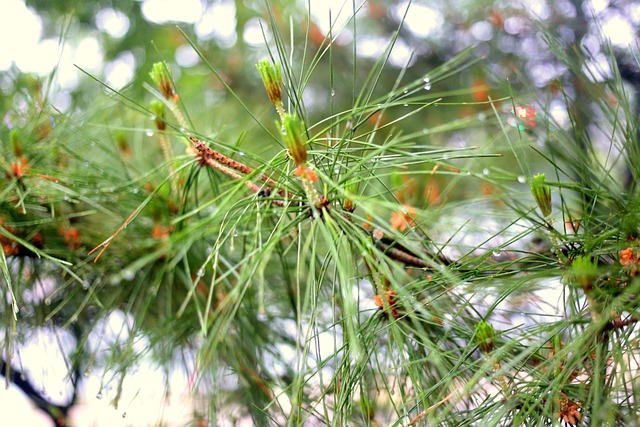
(47, 301)
(482, 117)
(128, 274)
(112, 189)
(333, 92)
(16, 309)
(135, 191)
(149, 132)
(241, 154)
(425, 130)
(85, 285)
(427, 83)
(182, 130)
(486, 171)
(497, 252)
(522, 179)
(99, 395)
(87, 164)
(405, 91)
(152, 116)
(406, 105)
(200, 272)
(235, 233)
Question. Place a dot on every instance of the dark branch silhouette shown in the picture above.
(57, 413)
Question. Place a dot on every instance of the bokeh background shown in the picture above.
(69, 57)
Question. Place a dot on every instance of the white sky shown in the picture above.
(142, 403)
(32, 53)
(23, 45)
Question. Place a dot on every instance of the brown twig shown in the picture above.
(207, 152)
(252, 186)
(225, 165)
(399, 255)
(396, 251)
(104, 245)
(618, 323)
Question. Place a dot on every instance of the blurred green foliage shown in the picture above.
(423, 125)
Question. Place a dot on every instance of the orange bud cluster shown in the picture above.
(20, 168)
(569, 412)
(306, 173)
(629, 261)
(71, 237)
(406, 218)
(161, 231)
(367, 224)
(390, 297)
(527, 114)
(9, 247)
(479, 90)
